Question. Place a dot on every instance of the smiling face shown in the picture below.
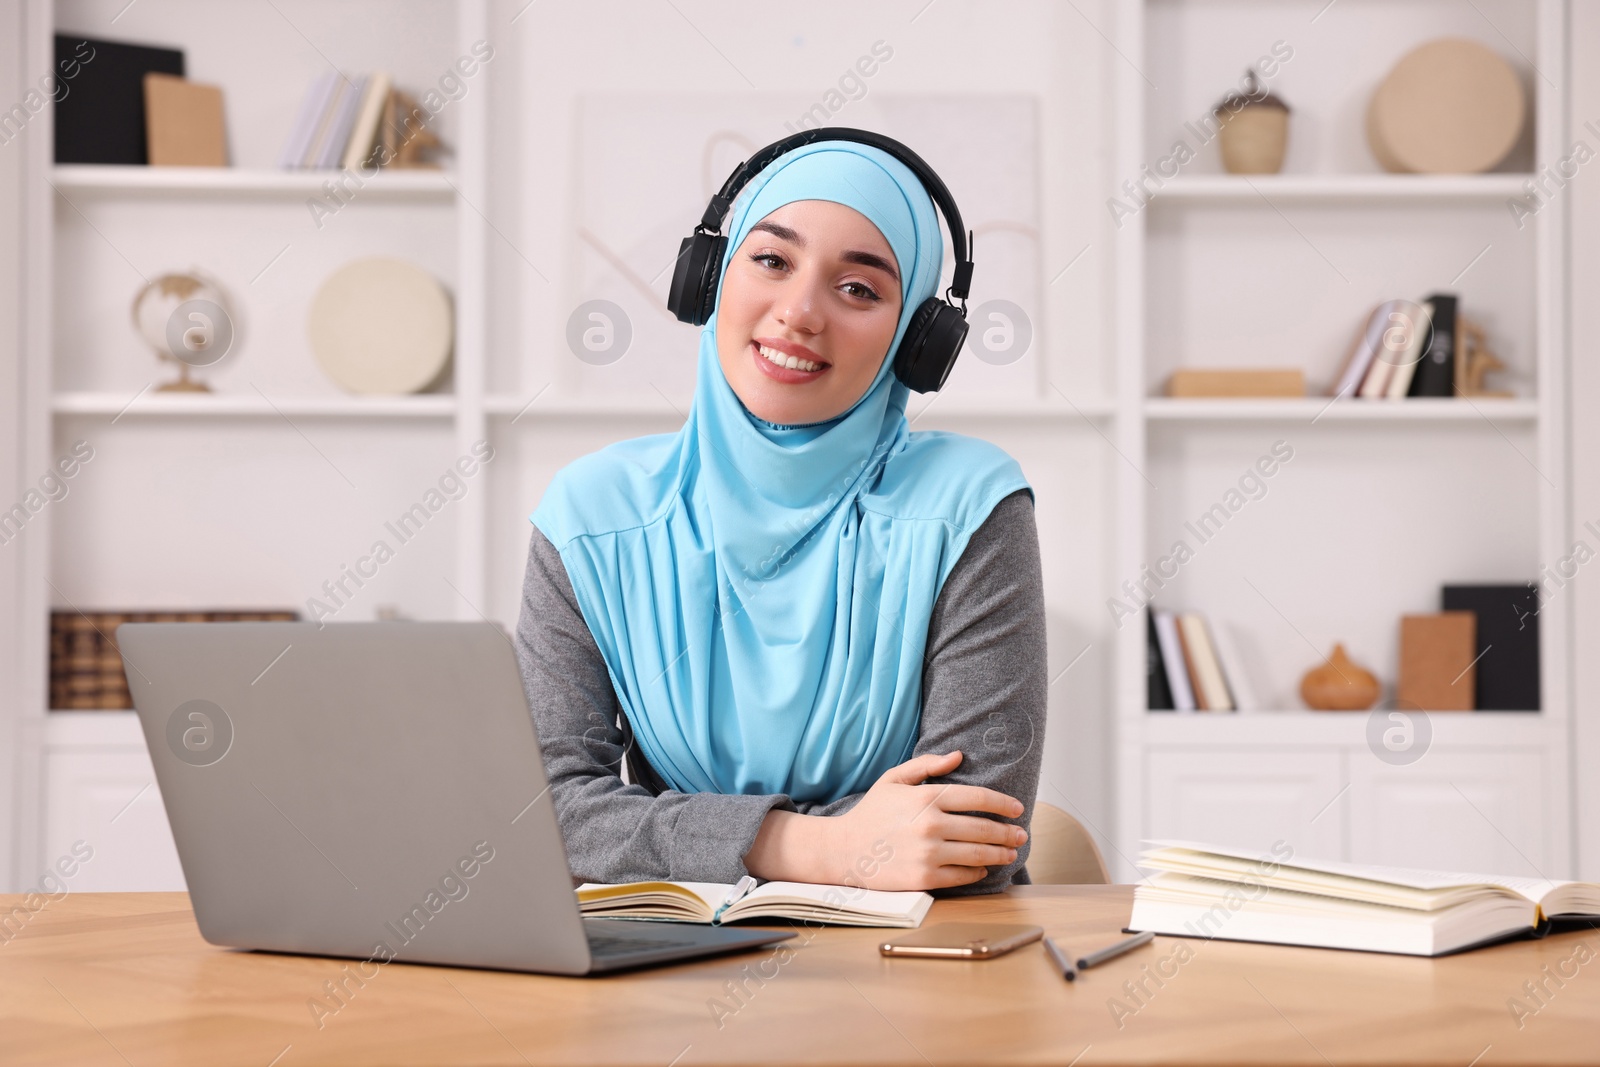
(816, 287)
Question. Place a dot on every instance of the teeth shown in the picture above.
(783, 360)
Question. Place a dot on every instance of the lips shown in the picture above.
(787, 375)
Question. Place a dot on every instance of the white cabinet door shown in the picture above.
(1250, 799)
(1457, 810)
(107, 799)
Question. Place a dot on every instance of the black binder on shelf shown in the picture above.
(1507, 668)
(100, 119)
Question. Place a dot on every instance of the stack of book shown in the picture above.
(349, 123)
(86, 666)
(1404, 350)
(1211, 891)
(1194, 665)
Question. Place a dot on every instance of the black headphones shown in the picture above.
(933, 337)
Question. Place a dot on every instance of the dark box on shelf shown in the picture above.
(100, 109)
(1507, 643)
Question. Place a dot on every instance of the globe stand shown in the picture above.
(184, 384)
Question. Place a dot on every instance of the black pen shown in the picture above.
(1059, 958)
(1113, 951)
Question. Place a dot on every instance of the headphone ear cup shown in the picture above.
(929, 348)
(694, 277)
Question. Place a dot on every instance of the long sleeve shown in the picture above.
(614, 831)
(985, 675)
(984, 682)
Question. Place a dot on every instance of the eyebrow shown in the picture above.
(865, 259)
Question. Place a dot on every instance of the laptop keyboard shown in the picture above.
(614, 945)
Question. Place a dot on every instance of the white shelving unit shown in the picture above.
(94, 231)
(226, 181)
(1493, 790)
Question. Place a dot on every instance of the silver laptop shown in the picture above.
(373, 791)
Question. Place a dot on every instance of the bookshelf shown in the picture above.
(1392, 499)
(96, 233)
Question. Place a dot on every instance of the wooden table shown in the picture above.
(125, 979)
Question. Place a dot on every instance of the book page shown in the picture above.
(1533, 889)
(710, 894)
(844, 898)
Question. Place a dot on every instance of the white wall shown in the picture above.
(11, 476)
(559, 53)
(1584, 217)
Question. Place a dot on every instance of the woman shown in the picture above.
(816, 638)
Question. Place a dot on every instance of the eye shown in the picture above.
(866, 293)
(762, 258)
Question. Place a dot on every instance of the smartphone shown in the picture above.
(962, 941)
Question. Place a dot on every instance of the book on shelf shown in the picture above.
(1410, 350)
(1416, 343)
(1435, 372)
(1437, 662)
(1394, 337)
(1205, 674)
(353, 122)
(86, 671)
(707, 902)
(1158, 689)
(1225, 644)
(1170, 650)
(1232, 894)
(312, 106)
(1507, 622)
(364, 133)
(1364, 349)
(1247, 382)
(1198, 662)
(100, 116)
(331, 151)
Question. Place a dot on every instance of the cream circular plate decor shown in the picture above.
(1451, 106)
(381, 325)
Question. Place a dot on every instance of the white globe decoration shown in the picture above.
(184, 318)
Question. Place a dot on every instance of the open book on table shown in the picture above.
(1209, 891)
(703, 902)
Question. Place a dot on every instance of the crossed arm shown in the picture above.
(981, 735)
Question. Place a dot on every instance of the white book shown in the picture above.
(305, 122)
(1368, 343)
(1239, 687)
(702, 902)
(365, 130)
(339, 133)
(1213, 891)
(1172, 661)
(326, 118)
(1400, 380)
(1197, 640)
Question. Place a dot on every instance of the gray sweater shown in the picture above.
(983, 692)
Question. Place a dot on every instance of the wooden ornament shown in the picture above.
(1339, 685)
(1451, 106)
(1474, 360)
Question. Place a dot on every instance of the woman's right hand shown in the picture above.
(904, 832)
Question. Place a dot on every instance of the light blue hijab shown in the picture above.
(761, 593)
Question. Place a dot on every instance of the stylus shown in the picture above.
(1059, 958)
(1113, 951)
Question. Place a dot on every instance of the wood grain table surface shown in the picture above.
(125, 979)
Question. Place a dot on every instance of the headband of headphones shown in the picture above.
(937, 328)
(960, 282)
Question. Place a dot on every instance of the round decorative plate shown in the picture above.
(381, 325)
(1451, 106)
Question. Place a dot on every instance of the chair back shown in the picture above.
(1061, 852)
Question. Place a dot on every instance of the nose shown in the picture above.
(800, 307)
